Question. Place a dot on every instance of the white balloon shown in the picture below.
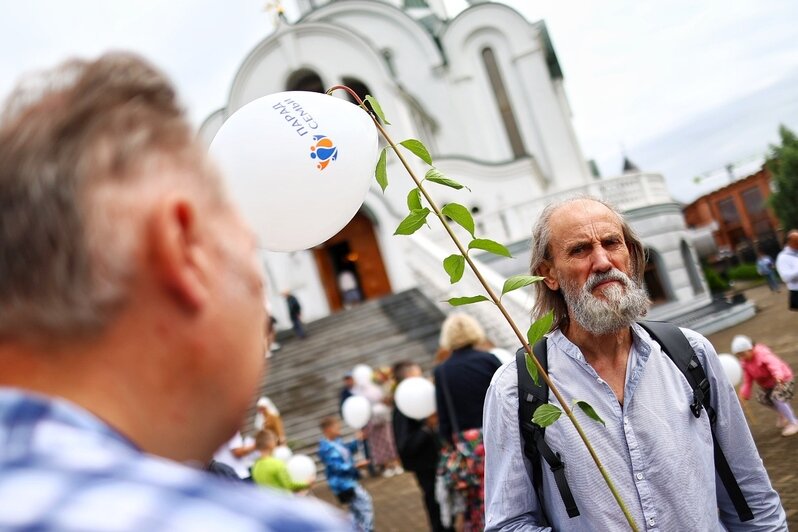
(415, 397)
(732, 368)
(299, 165)
(362, 374)
(282, 453)
(301, 469)
(356, 411)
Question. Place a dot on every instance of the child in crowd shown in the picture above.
(774, 377)
(342, 473)
(271, 471)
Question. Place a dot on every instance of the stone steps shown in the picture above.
(305, 376)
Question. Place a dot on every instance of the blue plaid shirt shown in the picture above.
(61, 468)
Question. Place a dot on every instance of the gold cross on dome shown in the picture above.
(277, 7)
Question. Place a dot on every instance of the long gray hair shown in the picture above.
(547, 299)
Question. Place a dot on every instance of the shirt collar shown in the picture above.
(641, 343)
(31, 422)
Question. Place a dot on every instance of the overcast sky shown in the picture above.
(684, 87)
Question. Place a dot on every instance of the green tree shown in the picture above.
(783, 165)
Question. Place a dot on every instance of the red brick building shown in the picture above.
(744, 221)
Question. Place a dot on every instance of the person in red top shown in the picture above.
(774, 377)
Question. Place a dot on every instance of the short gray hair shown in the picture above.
(547, 299)
(72, 141)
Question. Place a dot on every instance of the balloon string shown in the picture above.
(354, 95)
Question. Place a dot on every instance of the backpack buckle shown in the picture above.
(696, 406)
(699, 394)
(559, 464)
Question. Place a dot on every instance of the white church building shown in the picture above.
(485, 93)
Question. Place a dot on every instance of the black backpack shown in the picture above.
(530, 396)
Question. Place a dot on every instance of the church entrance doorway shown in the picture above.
(350, 265)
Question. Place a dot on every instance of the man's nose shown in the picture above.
(601, 260)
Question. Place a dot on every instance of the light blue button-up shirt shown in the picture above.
(658, 454)
(63, 469)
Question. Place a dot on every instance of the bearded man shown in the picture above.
(659, 455)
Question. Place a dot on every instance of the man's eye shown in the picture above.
(578, 250)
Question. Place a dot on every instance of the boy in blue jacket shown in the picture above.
(342, 473)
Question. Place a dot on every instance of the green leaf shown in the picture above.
(418, 149)
(435, 176)
(461, 215)
(591, 413)
(546, 414)
(377, 109)
(458, 301)
(531, 367)
(454, 266)
(381, 173)
(414, 200)
(413, 222)
(490, 246)
(539, 328)
(519, 281)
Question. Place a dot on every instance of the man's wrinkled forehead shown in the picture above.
(580, 218)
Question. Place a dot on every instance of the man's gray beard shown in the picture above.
(621, 306)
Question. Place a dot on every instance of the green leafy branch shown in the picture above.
(454, 265)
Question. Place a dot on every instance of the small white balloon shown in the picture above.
(362, 374)
(299, 165)
(282, 453)
(732, 368)
(415, 397)
(301, 469)
(356, 411)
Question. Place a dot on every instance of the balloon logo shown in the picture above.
(324, 150)
(271, 152)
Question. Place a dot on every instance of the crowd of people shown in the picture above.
(132, 339)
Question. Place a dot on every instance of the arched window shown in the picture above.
(503, 103)
(305, 80)
(653, 280)
(360, 88)
(692, 271)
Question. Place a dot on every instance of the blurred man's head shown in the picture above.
(121, 256)
(792, 239)
(405, 370)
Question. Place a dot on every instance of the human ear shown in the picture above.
(547, 271)
(178, 259)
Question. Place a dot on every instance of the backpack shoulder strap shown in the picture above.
(677, 347)
(530, 397)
